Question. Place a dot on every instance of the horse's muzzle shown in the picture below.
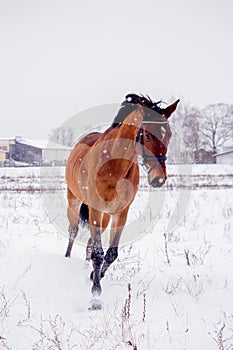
(158, 182)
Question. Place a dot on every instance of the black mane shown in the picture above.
(130, 104)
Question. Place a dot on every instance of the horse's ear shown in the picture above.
(170, 109)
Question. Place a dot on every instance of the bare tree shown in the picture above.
(187, 139)
(216, 125)
(191, 132)
(62, 135)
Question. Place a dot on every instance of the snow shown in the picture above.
(181, 278)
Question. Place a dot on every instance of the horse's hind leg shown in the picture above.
(73, 231)
(97, 256)
(89, 249)
(73, 217)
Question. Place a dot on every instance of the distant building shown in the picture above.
(224, 157)
(202, 156)
(4, 149)
(3, 155)
(5, 143)
(34, 152)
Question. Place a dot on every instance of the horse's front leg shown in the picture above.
(110, 257)
(97, 255)
(104, 224)
(118, 223)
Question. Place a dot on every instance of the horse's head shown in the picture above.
(153, 137)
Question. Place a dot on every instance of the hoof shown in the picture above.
(96, 290)
(95, 304)
(67, 255)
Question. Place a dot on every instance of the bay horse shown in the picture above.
(102, 175)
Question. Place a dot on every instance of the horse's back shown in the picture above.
(75, 159)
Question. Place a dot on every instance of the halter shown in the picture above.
(131, 100)
(140, 137)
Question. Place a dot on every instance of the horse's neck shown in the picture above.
(123, 145)
(134, 118)
(131, 124)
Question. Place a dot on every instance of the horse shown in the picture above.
(102, 176)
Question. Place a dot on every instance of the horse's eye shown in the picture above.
(148, 138)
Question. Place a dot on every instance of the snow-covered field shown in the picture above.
(179, 270)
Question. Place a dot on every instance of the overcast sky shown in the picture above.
(59, 57)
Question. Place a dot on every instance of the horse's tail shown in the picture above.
(84, 215)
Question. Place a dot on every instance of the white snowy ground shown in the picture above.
(180, 274)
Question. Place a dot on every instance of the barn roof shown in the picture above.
(43, 144)
(223, 153)
(7, 138)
